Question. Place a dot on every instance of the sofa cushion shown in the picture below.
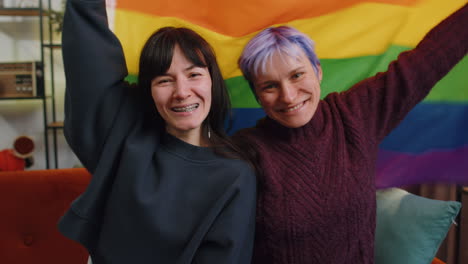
(410, 228)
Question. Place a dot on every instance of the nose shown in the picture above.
(288, 93)
(182, 90)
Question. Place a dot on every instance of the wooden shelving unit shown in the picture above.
(39, 13)
(50, 44)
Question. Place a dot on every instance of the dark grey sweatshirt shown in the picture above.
(153, 198)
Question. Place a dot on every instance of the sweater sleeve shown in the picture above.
(230, 237)
(382, 101)
(95, 70)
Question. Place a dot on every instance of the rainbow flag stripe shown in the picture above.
(354, 40)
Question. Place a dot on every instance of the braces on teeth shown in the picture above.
(185, 109)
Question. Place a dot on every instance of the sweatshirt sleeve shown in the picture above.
(230, 238)
(95, 70)
(382, 101)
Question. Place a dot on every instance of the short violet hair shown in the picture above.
(283, 40)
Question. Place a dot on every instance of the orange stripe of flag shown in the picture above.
(242, 17)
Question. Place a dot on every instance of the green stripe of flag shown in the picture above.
(340, 74)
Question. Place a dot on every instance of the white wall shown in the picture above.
(20, 41)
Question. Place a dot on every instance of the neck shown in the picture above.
(194, 136)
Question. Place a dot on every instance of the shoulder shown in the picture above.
(251, 133)
(235, 166)
(244, 182)
(237, 171)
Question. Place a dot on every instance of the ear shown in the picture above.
(320, 73)
(253, 90)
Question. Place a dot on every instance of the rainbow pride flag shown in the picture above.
(354, 40)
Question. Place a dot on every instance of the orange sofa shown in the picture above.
(31, 203)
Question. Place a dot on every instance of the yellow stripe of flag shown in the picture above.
(363, 29)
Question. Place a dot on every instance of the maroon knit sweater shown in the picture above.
(316, 199)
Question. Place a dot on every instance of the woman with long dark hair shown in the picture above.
(168, 185)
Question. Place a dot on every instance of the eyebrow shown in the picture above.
(289, 73)
(191, 67)
(186, 69)
(300, 68)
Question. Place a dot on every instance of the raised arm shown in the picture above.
(384, 100)
(95, 70)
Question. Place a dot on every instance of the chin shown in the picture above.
(189, 127)
(294, 122)
(185, 126)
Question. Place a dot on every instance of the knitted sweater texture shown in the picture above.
(316, 198)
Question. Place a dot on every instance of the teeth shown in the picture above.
(293, 108)
(188, 108)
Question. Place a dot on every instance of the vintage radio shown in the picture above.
(21, 79)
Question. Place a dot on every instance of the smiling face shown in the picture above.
(183, 96)
(289, 89)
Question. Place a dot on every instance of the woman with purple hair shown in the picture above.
(316, 158)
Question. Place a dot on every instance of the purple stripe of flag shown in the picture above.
(395, 169)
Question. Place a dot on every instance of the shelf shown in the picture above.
(20, 12)
(53, 46)
(23, 98)
(56, 125)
